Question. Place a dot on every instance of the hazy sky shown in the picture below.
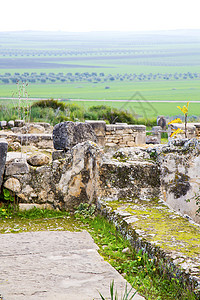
(101, 15)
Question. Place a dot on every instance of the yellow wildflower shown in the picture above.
(139, 258)
(176, 132)
(184, 109)
(178, 120)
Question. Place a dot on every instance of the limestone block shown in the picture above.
(13, 185)
(33, 128)
(140, 138)
(19, 123)
(48, 128)
(137, 128)
(59, 154)
(116, 141)
(38, 160)
(114, 127)
(119, 132)
(3, 124)
(128, 131)
(101, 140)
(16, 166)
(15, 146)
(99, 127)
(130, 144)
(27, 206)
(127, 138)
(3, 154)
(152, 139)
(68, 134)
(42, 196)
(110, 144)
(116, 137)
(11, 124)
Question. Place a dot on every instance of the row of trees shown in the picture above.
(93, 77)
(35, 52)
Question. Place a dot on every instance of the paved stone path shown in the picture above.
(54, 265)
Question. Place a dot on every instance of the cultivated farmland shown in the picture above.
(104, 66)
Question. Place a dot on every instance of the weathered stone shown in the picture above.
(68, 134)
(130, 143)
(60, 154)
(41, 141)
(39, 159)
(29, 128)
(27, 206)
(13, 185)
(19, 123)
(48, 128)
(16, 166)
(161, 122)
(152, 139)
(99, 127)
(110, 144)
(161, 233)
(3, 154)
(3, 124)
(11, 124)
(15, 146)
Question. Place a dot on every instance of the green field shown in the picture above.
(170, 90)
(164, 66)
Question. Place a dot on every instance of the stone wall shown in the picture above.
(118, 135)
(64, 183)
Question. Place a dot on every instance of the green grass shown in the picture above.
(146, 110)
(171, 90)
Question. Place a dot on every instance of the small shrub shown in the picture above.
(50, 103)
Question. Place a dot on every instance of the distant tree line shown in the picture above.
(92, 77)
(58, 52)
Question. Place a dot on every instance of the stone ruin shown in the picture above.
(78, 170)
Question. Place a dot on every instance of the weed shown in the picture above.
(8, 204)
(85, 210)
(114, 296)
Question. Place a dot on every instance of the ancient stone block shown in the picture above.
(110, 144)
(68, 134)
(99, 127)
(15, 146)
(11, 124)
(19, 123)
(152, 139)
(26, 206)
(16, 166)
(3, 124)
(3, 154)
(13, 185)
(38, 160)
(130, 144)
(59, 154)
